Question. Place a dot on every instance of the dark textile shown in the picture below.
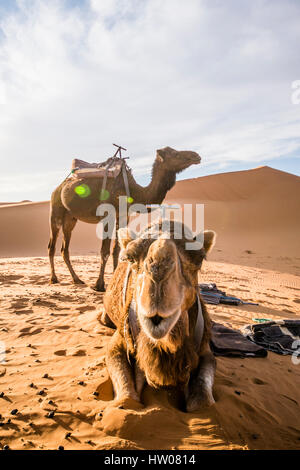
(280, 336)
(228, 342)
(212, 295)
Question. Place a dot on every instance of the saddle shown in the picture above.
(111, 168)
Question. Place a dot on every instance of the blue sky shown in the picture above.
(206, 75)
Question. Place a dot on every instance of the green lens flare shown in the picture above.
(104, 195)
(130, 200)
(83, 190)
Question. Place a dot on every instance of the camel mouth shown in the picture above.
(196, 159)
(156, 320)
(158, 327)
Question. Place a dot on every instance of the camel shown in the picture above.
(162, 325)
(67, 206)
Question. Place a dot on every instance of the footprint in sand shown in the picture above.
(19, 307)
(24, 312)
(78, 352)
(258, 381)
(66, 327)
(43, 303)
(38, 279)
(60, 352)
(12, 277)
(297, 301)
(85, 308)
(29, 332)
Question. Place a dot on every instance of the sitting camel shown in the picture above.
(162, 325)
(66, 206)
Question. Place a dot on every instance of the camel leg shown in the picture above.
(116, 252)
(105, 252)
(200, 388)
(119, 369)
(56, 217)
(116, 249)
(69, 223)
(106, 321)
(54, 229)
(140, 379)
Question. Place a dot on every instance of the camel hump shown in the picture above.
(110, 167)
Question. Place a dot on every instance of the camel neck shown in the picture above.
(161, 182)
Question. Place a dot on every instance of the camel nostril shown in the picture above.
(156, 320)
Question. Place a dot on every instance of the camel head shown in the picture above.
(174, 160)
(166, 279)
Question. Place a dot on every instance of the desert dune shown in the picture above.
(53, 370)
(252, 211)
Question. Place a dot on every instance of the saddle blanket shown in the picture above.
(82, 169)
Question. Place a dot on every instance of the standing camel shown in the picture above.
(67, 206)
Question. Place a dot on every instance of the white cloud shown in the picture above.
(206, 75)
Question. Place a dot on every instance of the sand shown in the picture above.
(53, 330)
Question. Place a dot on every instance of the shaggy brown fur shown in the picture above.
(171, 360)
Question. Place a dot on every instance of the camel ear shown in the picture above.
(209, 240)
(204, 244)
(125, 236)
(160, 155)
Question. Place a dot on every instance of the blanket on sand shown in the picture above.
(281, 336)
(228, 342)
(212, 295)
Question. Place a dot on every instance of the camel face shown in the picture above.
(161, 289)
(166, 274)
(172, 159)
(161, 320)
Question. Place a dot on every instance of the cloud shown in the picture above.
(210, 76)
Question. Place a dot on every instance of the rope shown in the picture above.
(124, 172)
(105, 176)
(71, 173)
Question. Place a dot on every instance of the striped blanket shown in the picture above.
(281, 336)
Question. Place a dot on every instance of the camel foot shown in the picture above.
(54, 280)
(78, 281)
(199, 402)
(100, 288)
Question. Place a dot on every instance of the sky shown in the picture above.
(211, 76)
